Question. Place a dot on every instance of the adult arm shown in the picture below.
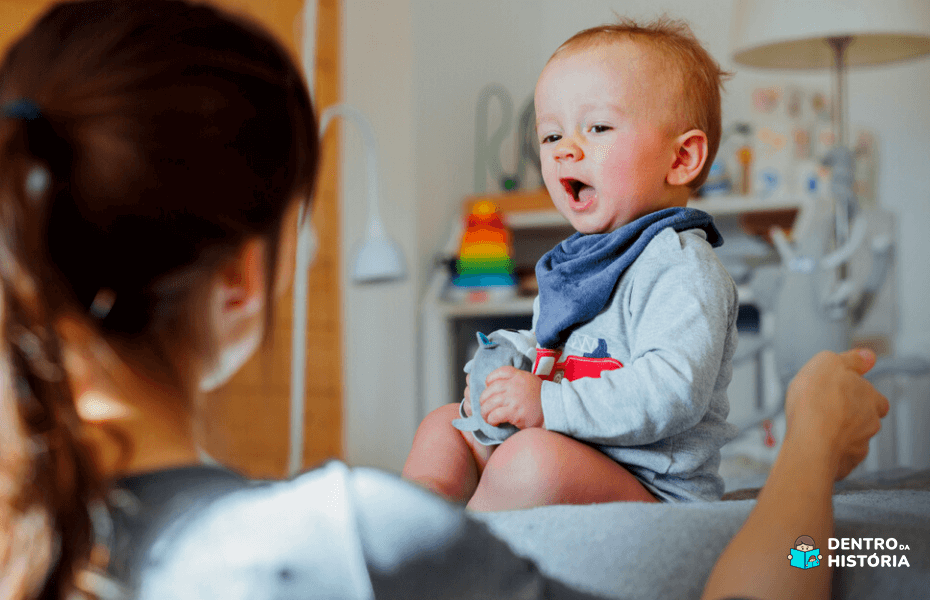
(832, 412)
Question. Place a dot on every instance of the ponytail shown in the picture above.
(47, 479)
(51, 527)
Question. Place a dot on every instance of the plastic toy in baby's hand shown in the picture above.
(494, 351)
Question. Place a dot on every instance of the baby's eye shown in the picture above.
(552, 137)
(600, 128)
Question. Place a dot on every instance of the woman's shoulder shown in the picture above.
(335, 532)
(261, 539)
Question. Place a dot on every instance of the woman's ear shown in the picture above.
(241, 285)
(238, 303)
(690, 156)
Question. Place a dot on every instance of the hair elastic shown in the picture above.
(21, 108)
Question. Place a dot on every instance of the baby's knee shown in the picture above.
(527, 460)
(439, 419)
(531, 446)
(436, 437)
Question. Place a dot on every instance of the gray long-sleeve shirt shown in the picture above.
(671, 323)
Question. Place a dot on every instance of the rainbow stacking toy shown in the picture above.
(485, 265)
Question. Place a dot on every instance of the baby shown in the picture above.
(634, 327)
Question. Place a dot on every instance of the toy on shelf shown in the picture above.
(484, 268)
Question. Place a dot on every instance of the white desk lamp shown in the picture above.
(379, 259)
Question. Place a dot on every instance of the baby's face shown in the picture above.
(607, 140)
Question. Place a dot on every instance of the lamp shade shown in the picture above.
(793, 34)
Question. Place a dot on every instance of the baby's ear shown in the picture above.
(690, 156)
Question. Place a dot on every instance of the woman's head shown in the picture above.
(171, 136)
(147, 143)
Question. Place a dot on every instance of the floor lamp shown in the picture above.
(836, 35)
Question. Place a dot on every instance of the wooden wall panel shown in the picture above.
(16, 16)
(246, 422)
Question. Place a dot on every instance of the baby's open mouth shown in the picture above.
(579, 190)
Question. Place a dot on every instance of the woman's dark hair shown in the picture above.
(157, 137)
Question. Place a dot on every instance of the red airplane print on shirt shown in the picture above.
(573, 367)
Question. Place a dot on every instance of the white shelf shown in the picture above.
(536, 218)
(718, 206)
(520, 305)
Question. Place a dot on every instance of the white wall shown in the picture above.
(416, 68)
(380, 321)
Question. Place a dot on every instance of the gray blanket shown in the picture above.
(667, 550)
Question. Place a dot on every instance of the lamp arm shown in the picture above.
(305, 250)
(349, 112)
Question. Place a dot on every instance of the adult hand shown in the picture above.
(512, 396)
(831, 408)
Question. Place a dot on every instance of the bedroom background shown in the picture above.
(416, 68)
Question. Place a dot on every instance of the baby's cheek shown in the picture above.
(601, 153)
(550, 172)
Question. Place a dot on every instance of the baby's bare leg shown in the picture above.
(537, 467)
(445, 460)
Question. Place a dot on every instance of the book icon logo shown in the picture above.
(804, 555)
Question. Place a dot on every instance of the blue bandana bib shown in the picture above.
(577, 277)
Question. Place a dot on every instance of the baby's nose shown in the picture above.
(568, 149)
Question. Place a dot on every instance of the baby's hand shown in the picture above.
(512, 396)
